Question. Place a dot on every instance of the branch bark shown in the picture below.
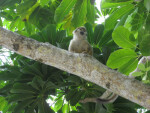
(85, 67)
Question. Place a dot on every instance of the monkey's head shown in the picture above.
(80, 33)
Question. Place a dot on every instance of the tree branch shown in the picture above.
(85, 67)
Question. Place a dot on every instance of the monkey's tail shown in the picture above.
(110, 99)
(107, 97)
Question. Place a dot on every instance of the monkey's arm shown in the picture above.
(71, 47)
(88, 49)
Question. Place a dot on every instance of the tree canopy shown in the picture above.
(28, 86)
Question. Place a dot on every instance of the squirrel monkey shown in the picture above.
(79, 44)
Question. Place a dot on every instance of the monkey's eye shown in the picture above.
(82, 33)
(83, 29)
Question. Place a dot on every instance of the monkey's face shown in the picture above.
(80, 32)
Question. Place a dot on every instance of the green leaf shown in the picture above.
(120, 57)
(44, 2)
(129, 66)
(31, 108)
(39, 82)
(32, 69)
(147, 26)
(24, 88)
(8, 3)
(70, 94)
(11, 70)
(60, 36)
(137, 21)
(11, 107)
(147, 4)
(7, 17)
(75, 99)
(107, 5)
(124, 38)
(34, 84)
(26, 8)
(29, 28)
(6, 89)
(112, 19)
(20, 91)
(117, 1)
(90, 34)
(51, 85)
(3, 103)
(90, 13)
(22, 105)
(65, 108)
(44, 69)
(43, 107)
(148, 68)
(122, 20)
(141, 35)
(79, 13)
(41, 17)
(75, 111)
(145, 45)
(49, 34)
(100, 109)
(21, 25)
(36, 36)
(1, 23)
(58, 104)
(14, 23)
(63, 9)
(107, 36)
(74, 79)
(137, 74)
(98, 32)
(8, 76)
(141, 67)
(20, 97)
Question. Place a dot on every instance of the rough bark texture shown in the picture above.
(83, 66)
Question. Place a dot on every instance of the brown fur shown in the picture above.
(79, 43)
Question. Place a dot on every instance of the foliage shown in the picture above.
(119, 42)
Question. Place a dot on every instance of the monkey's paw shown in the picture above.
(85, 55)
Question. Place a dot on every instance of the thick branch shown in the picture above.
(86, 67)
